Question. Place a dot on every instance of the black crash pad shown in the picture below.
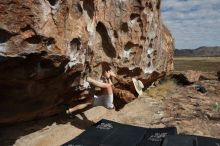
(155, 136)
(208, 141)
(109, 133)
(180, 140)
(190, 140)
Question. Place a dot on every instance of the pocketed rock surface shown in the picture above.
(191, 111)
(48, 46)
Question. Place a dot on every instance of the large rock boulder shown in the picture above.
(47, 46)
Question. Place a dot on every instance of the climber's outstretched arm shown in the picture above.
(97, 83)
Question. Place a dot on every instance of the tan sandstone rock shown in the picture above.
(47, 46)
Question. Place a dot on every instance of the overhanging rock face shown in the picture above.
(46, 46)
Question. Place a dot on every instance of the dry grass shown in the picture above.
(162, 90)
(206, 64)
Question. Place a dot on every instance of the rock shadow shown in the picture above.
(38, 39)
(89, 6)
(9, 134)
(5, 35)
(107, 45)
(81, 123)
(52, 2)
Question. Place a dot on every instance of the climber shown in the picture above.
(105, 99)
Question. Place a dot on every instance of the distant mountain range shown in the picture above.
(199, 52)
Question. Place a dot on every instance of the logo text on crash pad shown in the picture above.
(105, 126)
(157, 137)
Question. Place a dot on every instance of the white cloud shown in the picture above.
(193, 23)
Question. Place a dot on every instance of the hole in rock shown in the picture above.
(28, 27)
(49, 41)
(137, 2)
(155, 52)
(88, 5)
(130, 45)
(5, 35)
(52, 2)
(134, 15)
(139, 20)
(133, 53)
(140, 23)
(130, 73)
(75, 45)
(136, 72)
(107, 45)
(149, 5)
(124, 27)
(143, 38)
(79, 8)
(126, 60)
(115, 34)
(67, 11)
(37, 39)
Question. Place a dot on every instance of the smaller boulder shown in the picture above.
(192, 76)
(200, 88)
(187, 78)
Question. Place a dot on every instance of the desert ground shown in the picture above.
(205, 64)
(166, 103)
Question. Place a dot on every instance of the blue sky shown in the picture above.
(193, 23)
